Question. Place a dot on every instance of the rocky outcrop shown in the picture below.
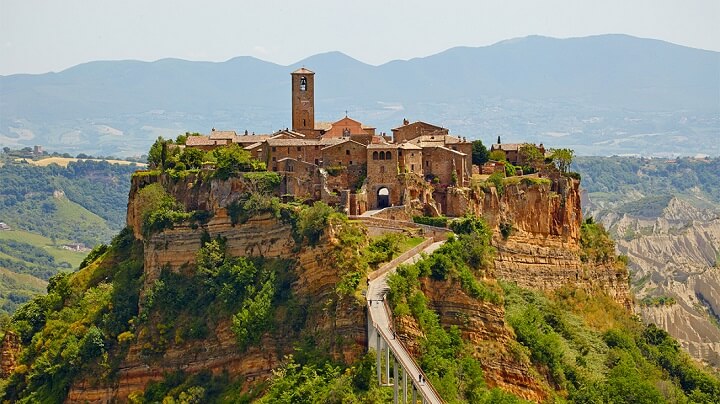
(541, 242)
(336, 324)
(482, 324)
(9, 352)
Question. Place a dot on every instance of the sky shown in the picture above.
(37, 36)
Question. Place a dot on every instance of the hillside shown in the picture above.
(665, 216)
(49, 210)
(602, 95)
(216, 292)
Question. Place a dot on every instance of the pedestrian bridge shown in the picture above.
(407, 379)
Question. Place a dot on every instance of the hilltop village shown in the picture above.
(349, 165)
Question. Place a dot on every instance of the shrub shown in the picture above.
(506, 229)
(497, 180)
(312, 221)
(437, 221)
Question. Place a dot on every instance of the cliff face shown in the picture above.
(483, 325)
(542, 248)
(335, 323)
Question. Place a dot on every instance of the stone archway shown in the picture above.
(383, 198)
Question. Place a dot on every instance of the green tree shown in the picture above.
(531, 157)
(157, 153)
(233, 159)
(480, 154)
(192, 157)
(497, 155)
(562, 158)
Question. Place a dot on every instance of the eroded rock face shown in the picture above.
(675, 255)
(482, 324)
(542, 250)
(335, 323)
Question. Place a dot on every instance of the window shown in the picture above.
(273, 159)
(427, 163)
(388, 155)
(273, 149)
(412, 167)
(304, 124)
(382, 155)
(375, 155)
(303, 84)
(347, 152)
(350, 162)
(317, 162)
(298, 148)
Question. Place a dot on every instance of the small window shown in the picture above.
(427, 163)
(347, 152)
(304, 124)
(382, 155)
(350, 162)
(303, 84)
(273, 149)
(317, 162)
(412, 167)
(388, 156)
(375, 155)
(273, 159)
(299, 148)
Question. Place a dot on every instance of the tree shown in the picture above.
(6, 150)
(497, 155)
(233, 159)
(562, 158)
(157, 153)
(480, 153)
(531, 157)
(192, 157)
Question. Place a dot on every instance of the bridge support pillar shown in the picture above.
(396, 382)
(378, 356)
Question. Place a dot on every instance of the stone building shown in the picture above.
(348, 163)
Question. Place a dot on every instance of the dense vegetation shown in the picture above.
(91, 210)
(584, 347)
(613, 178)
(50, 206)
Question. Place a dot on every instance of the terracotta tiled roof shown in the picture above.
(203, 141)
(409, 146)
(421, 123)
(253, 146)
(451, 151)
(506, 146)
(223, 134)
(303, 70)
(247, 139)
(323, 125)
(342, 143)
(382, 146)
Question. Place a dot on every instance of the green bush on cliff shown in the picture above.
(596, 244)
(74, 327)
(232, 160)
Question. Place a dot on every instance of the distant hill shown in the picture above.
(609, 94)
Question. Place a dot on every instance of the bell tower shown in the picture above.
(303, 101)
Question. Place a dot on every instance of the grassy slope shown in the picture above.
(60, 254)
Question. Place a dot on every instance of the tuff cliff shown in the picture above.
(537, 235)
(335, 323)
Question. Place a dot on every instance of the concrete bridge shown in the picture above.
(409, 383)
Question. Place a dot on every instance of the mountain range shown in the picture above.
(601, 95)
